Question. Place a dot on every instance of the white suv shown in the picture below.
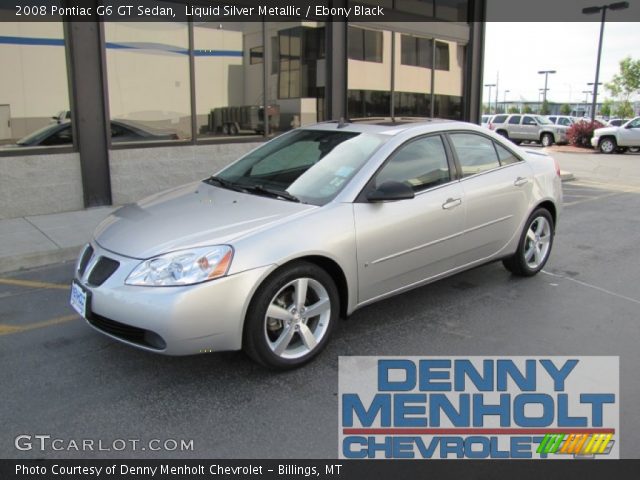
(618, 139)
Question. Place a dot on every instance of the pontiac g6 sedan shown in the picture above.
(267, 254)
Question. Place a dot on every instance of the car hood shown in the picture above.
(193, 215)
(604, 130)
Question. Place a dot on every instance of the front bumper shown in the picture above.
(182, 320)
(595, 141)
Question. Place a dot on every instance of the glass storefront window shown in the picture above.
(368, 72)
(148, 81)
(296, 82)
(34, 97)
(448, 80)
(229, 66)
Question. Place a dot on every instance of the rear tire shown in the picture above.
(503, 133)
(291, 316)
(634, 149)
(233, 130)
(546, 140)
(607, 145)
(534, 247)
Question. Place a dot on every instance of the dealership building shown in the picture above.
(104, 113)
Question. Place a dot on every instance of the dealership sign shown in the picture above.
(479, 407)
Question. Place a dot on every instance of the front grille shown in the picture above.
(102, 270)
(135, 335)
(84, 261)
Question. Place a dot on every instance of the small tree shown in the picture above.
(606, 108)
(527, 109)
(624, 109)
(565, 109)
(544, 109)
(624, 85)
(513, 109)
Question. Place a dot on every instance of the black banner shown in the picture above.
(376, 11)
(301, 469)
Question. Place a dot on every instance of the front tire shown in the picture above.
(546, 139)
(534, 247)
(607, 145)
(291, 316)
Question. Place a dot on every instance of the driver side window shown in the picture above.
(421, 164)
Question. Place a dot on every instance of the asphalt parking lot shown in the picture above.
(60, 378)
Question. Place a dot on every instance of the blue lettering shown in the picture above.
(428, 375)
(520, 402)
(508, 368)
(564, 420)
(402, 408)
(386, 385)
(480, 410)
(597, 400)
(458, 418)
(380, 405)
(466, 369)
(559, 376)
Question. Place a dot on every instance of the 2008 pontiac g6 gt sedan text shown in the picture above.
(267, 254)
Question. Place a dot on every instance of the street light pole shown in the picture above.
(586, 100)
(489, 96)
(589, 11)
(546, 78)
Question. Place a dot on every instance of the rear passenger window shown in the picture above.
(421, 164)
(476, 154)
(529, 121)
(505, 156)
(515, 120)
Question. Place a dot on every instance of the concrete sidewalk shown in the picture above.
(39, 240)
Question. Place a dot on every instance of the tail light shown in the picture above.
(490, 126)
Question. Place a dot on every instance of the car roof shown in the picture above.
(386, 126)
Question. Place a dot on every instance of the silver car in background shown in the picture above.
(531, 128)
(270, 252)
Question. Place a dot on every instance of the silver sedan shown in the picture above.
(267, 254)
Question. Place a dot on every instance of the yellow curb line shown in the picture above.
(11, 329)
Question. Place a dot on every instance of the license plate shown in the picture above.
(79, 299)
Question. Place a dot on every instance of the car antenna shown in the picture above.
(341, 123)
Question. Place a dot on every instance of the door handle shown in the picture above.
(520, 181)
(451, 203)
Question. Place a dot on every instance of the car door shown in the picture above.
(403, 242)
(529, 128)
(514, 129)
(629, 135)
(496, 186)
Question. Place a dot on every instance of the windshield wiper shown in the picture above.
(274, 193)
(226, 183)
(239, 187)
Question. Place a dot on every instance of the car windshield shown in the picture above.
(543, 120)
(311, 165)
(38, 135)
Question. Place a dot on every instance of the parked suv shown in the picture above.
(563, 120)
(618, 139)
(533, 128)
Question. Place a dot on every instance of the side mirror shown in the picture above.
(391, 191)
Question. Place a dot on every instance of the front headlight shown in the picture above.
(183, 267)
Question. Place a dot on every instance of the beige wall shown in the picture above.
(33, 78)
(372, 75)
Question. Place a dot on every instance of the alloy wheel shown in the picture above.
(537, 242)
(297, 318)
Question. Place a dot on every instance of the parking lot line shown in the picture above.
(33, 284)
(11, 329)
